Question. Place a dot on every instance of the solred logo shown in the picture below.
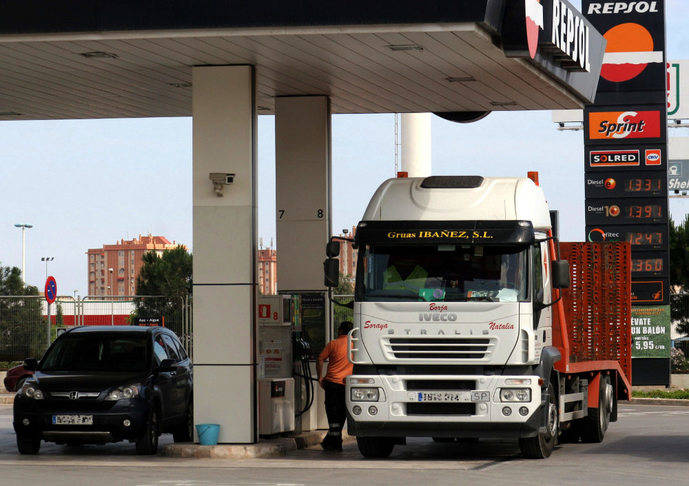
(623, 125)
(534, 24)
(614, 158)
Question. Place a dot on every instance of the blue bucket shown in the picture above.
(208, 434)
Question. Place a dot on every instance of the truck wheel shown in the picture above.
(28, 444)
(375, 447)
(542, 445)
(594, 426)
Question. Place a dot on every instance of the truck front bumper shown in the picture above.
(403, 408)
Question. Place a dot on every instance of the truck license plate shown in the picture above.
(72, 419)
(444, 397)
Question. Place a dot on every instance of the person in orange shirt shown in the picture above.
(339, 367)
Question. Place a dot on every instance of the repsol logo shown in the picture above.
(437, 317)
(622, 7)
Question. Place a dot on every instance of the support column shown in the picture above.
(416, 144)
(303, 185)
(224, 140)
(303, 180)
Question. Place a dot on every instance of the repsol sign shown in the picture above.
(570, 33)
(602, 8)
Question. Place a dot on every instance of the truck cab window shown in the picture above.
(453, 273)
(537, 274)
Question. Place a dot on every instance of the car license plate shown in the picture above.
(444, 397)
(72, 419)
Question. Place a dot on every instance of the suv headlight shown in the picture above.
(364, 394)
(515, 394)
(124, 392)
(31, 391)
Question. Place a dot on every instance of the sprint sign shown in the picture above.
(624, 125)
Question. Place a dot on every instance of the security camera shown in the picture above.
(220, 180)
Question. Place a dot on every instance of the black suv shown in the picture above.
(107, 384)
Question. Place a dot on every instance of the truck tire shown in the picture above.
(541, 446)
(375, 447)
(594, 426)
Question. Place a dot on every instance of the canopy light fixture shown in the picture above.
(180, 84)
(503, 103)
(404, 47)
(10, 113)
(99, 55)
(460, 79)
(263, 108)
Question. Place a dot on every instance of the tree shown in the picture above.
(59, 318)
(22, 325)
(165, 283)
(341, 313)
(679, 274)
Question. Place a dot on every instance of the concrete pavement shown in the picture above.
(649, 445)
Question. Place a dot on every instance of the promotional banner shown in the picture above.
(651, 332)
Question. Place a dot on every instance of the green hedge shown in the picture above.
(675, 394)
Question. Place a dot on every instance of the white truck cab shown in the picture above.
(452, 329)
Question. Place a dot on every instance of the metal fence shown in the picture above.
(24, 319)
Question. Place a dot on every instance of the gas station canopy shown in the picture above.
(104, 58)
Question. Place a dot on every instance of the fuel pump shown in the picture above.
(276, 397)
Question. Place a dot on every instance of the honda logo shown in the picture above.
(74, 395)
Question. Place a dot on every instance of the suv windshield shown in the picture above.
(98, 351)
(452, 273)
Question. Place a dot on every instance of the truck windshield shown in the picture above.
(98, 351)
(450, 273)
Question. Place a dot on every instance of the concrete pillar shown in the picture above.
(416, 144)
(303, 185)
(303, 180)
(224, 141)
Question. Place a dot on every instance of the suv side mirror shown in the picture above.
(332, 249)
(30, 364)
(167, 366)
(561, 274)
(331, 269)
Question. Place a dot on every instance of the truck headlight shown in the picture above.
(364, 394)
(515, 395)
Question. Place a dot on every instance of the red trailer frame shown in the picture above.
(592, 322)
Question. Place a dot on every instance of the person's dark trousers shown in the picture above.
(335, 408)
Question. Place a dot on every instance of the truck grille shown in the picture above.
(441, 409)
(449, 348)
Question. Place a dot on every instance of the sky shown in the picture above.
(86, 183)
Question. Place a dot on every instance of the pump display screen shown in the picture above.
(442, 272)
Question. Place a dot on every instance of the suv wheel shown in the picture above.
(28, 444)
(147, 443)
(184, 432)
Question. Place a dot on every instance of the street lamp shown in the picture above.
(46, 260)
(23, 227)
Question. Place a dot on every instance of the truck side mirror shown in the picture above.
(332, 249)
(561, 274)
(331, 268)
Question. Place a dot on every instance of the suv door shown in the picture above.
(164, 380)
(180, 379)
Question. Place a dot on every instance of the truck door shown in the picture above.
(541, 295)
